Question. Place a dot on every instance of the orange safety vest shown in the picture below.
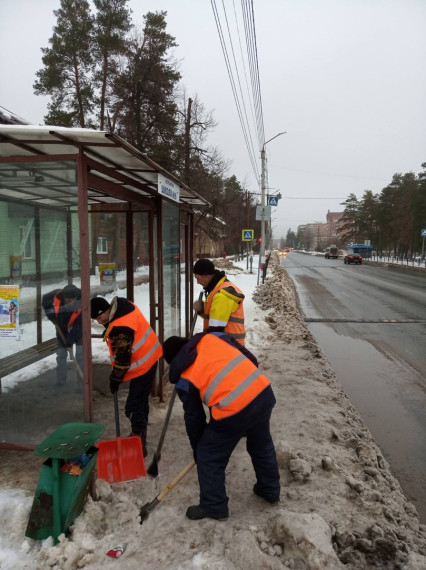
(235, 325)
(146, 348)
(227, 380)
(56, 307)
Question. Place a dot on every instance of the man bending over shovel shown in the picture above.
(134, 351)
(215, 370)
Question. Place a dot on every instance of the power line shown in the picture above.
(301, 198)
(252, 153)
(330, 173)
(246, 132)
(250, 31)
(254, 98)
(244, 66)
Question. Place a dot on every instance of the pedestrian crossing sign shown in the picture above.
(248, 235)
(272, 200)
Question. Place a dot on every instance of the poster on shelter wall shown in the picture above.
(15, 262)
(9, 312)
(107, 273)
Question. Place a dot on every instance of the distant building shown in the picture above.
(209, 235)
(314, 235)
(319, 235)
(333, 220)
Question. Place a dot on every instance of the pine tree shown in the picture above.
(112, 24)
(145, 108)
(349, 229)
(68, 67)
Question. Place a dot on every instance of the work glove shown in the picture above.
(198, 306)
(114, 384)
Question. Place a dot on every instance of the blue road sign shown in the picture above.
(272, 200)
(423, 233)
(248, 235)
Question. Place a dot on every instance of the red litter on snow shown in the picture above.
(115, 552)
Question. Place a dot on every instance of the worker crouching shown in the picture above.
(214, 369)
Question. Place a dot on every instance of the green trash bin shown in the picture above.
(60, 494)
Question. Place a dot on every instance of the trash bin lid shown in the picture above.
(69, 440)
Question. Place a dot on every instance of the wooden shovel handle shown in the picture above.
(176, 480)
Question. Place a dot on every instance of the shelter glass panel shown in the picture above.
(141, 262)
(108, 254)
(171, 274)
(108, 270)
(40, 355)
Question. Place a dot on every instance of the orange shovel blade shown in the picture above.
(120, 459)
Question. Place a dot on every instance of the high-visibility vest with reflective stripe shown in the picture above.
(227, 380)
(235, 325)
(56, 307)
(146, 348)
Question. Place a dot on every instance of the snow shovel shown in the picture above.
(120, 459)
(146, 509)
(153, 468)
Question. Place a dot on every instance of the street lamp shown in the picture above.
(263, 203)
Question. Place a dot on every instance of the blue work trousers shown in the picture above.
(62, 353)
(216, 445)
(137, 403)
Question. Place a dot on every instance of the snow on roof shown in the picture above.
(9, 118)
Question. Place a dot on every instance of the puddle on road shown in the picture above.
(397, 424)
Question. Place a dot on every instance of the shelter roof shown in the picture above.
(114, 160)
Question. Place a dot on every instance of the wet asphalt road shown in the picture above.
(370, 321)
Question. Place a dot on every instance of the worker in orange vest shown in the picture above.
(215, 370)
(223, 308)
(63, 309)
(134, 352)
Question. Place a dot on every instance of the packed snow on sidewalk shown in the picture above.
(340, 506)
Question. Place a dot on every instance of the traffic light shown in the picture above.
(259, 239)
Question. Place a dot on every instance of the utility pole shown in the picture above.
(263, 201)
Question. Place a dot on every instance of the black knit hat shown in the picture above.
(204, 267)
(98, 305)
(71, 292)
(172, 346)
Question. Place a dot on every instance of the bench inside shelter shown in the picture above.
(23, 358)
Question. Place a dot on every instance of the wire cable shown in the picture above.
(233, 87)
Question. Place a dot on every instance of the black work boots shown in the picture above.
(143, 439)
(268, 498)
(196, 513)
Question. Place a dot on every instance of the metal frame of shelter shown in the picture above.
(107, 174)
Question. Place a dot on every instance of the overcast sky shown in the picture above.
(346, 80)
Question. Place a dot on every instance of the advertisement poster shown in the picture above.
(9, 311)
(15, 262)
(107, 273)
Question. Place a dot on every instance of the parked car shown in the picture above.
(353, 258)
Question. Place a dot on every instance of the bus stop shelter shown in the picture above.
(82, 207)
